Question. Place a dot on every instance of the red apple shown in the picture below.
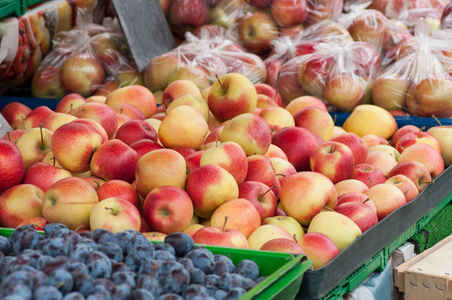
(261, 196)
(99, 112)
(387, 198)
(36, 117)
(282, 245)
(144, 146)
(425, 154)
(217, 236)
(168, 209)
(69, 102)
(355, 143)
(44, 175)
(116, 215)
(38, 222)
(134, 130)
(362, 214)
(120, 189)
(406, 185)
(256, 30)
(289, 12)
(260, 168)
(416, 171)
(319, 248)
(12, 168)
(34, 144)
(15, 113)
(368, 174)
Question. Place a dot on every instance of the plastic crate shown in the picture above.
(29, 101)
(370, 252)
(9, 8)
(284, 271)
(28, 3)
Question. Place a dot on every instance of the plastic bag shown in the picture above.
(399, 36)
(286, 47)
(201, 60)
(265, 21)
(340, 75)
(366, 25)
(429, 10)
(80, 61)
(446, 17)
(419, 82)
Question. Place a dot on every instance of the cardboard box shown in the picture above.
(427, 275)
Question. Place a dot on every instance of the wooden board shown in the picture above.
(145, 28)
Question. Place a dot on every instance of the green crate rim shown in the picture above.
(379, 261)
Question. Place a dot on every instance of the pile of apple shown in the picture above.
(227, 165)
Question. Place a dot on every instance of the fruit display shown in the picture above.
(63, 264)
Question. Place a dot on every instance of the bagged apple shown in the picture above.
(446, 17)
(419, 82)
(264, 21)
(399, 38)
(201, 60)
(429, 10)
(390, 8)
(287, 47)
(340, 75)
(365, 24)
(81, 59)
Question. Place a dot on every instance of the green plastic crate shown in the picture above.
(284, 271)
(10, 8)
(28, 3)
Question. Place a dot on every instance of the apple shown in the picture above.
(389, 92)
(15, 199)
(230, 156)
(70, 201)
(192, 133)
(96, 98)
(38, 222)
(340, 228)
(319, 248)
(362, 214)
(231, 95)
(265, 233)
(193, 160)
(406, 185)
(305, 194)
(260, 168)
(184, 14)
(120, 189)
(283, 168)
(197, 102)
(416, 171)
(441, 133)
(276, 152)
(289, 86)
(73, 145)
(350, 185)
(177, 89)
(157, 72)
(155, 236)
(390, 8)
(298, 144)
(355, 143)
(94, 124)
(288, 223)
(12, 167)
(15, 113)
(289, 12)
(46, 83)
(371, 140)
(261, 196)
(370, 26)
(193, 228)
(134, 130)
(55, 120)
(99, 112)
(160, 167)
(391, 150)
(116, 215)
(421, 136)
(209, 186)
(320, 10)
(425, 154)
(356, 197)
(282, 245)
(81, 73)
(313, 73)
(276, 115)
(136, 95)
(430, 96)
(345, 92)
(335, 160)
(223, 237)
(256, 30)
(44, 175)
(34, 144)
(369, 174)
(387, 198)
(446, 17)
(274, 99)
(299, 103)
(315, 120)
(370, 119)
(237, 211)
(36, 117)
(382, 160)
(129, 110)
(249, 131)
(168, 209)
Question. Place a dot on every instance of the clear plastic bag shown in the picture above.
(340, 75)
(201, 60)
(419, 83)
(80, 61)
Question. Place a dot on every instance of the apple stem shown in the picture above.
(216, 139)
(420, 130)
(164, 108)
(327, 208)
(371, 183)
(23, 122)
(218, 79)
(263, 194)
(334, 119)
(54, 160)
(437, 120)
(42, 137)
(76, 112)
(60, 284)
(277, 85)
(112, 210)
(9, 136)
(224, 224)
(368, 199)
(78, 228)
(121, 110)
(97, 182)
(280, 174)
